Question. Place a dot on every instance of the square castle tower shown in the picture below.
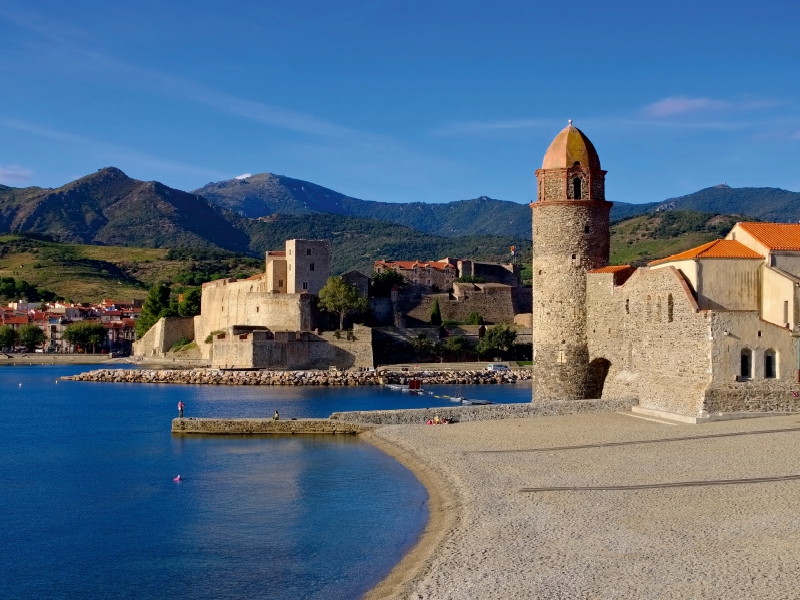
(303, 267)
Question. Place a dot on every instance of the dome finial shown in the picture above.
(570, 122)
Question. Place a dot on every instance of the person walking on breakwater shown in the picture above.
(276, 416)
(180, 409)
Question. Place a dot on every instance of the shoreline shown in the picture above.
(444, 515)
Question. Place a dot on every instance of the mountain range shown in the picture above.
(266, 194)
(252, 214)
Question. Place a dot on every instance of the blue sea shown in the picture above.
(89, 508)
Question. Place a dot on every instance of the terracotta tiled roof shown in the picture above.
(775, 236)
(408, 265)
(715, 249)
(254, 277)
(14, 320)
(611, 269)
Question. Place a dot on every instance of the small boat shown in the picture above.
(178, 478)
(475, 402)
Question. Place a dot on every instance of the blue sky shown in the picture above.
(401, 100)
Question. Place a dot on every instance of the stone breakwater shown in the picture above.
(248, 426)
(335, 378)
(459, 414)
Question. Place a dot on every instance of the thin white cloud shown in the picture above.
(13, 174)
(479, 127)
(124, 157)
(244, 176)
(681, 105)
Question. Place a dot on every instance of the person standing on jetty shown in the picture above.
(180, 409)
(276, 416)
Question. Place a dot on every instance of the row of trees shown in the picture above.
(497, 340)
(28, 336)
(83, 334)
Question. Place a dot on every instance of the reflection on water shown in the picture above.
(89, 508)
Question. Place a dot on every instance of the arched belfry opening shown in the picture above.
(576, 188)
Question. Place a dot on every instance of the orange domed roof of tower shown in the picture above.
(569, 147)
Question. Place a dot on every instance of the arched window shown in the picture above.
(576, 186)
(670, 308)
(627, 306)
(746, 370)
(770, 364)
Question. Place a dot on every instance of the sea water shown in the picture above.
(89, 508)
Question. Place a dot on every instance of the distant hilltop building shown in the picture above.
(442, 273)
(713, 330)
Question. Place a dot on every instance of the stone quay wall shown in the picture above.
(488, 412)
(344, 378)
(268, 426)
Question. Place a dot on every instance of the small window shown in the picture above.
(577, 163)
(770, 366)
(308, 251)
(576, 186)
(290, 252)
(305, 285)
(786, 312)
(311, 267)
(257, 308)
(290, 266)
(627, 306)
(759, 334)
(280, 282)
(574, 256)
(746, 364)
(586, 229)
(670, 308)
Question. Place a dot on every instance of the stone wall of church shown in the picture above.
(735, 332)
(651, 339)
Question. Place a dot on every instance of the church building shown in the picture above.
(709, 333)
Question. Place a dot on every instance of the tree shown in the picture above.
(436, 314)
(383, 282)
(422, 345)
(190, 306)
(156, 305)
(341, 298)
(499, 338)
(8, 337)
(85, 334)
(457, 345)
(474, 318)
(31, 336)
(439, 350)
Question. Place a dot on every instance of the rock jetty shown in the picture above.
(335, 378)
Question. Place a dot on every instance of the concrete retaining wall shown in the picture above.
(485, 413)
(269, 426)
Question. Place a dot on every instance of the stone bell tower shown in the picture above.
(570, 237)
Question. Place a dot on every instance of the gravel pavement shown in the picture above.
(699, 541)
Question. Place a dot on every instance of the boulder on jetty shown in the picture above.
(335, 378)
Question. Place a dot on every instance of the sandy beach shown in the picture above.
(490, 538)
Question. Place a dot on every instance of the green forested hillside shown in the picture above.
(645, 238)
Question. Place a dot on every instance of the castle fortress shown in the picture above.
(711, 330)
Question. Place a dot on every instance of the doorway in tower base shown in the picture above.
(596, 377)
